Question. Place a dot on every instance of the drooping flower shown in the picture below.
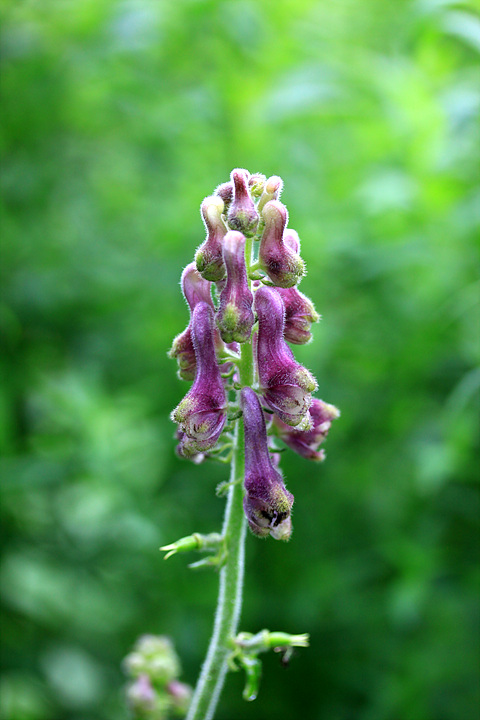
(283, 266)
(209, 256)
(235, 315)
(285, 384)
(299, 315)
(242, 213)
(203, 411)
(306, 442)
(267, 503)
(195, 289)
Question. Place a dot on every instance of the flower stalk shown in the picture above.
(247, 390)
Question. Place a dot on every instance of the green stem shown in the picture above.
(212, 676)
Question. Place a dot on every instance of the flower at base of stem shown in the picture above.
(267, 502)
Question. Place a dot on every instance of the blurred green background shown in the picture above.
(119, 116)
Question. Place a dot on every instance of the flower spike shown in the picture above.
(285, 384)
(202, 413)
(209, 256)
(235, 316)
(242, 214)
(267, 503)
(283, 266)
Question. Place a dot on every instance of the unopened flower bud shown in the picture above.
(209, 258)
(306, 442)
(180, 695)
(155, 657)
(271, 191)
(283, 266)
(195, 289)
(256, 183)
(225, 191)
(285, 384)
(141, 696)
(203, 411)
(242, 213)
(267, 503)
(299, 315)
(235, 315)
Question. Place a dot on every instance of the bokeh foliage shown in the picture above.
(118, 116)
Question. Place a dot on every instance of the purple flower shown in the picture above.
(299, 315)
(306, 442)
(242, 213)
(209, 256)
(283, 266)
(285, 384)
(195, 289)
(225, 191)
(267, 503)
(203, 411)
(235, 315)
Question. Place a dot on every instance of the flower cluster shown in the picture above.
(241, 291)
(154, 691)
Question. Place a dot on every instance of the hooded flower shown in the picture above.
(235, 315)
(242, 213)
(209, 256)
(195, 289)
(267, 503)
(299, 315)
(285, 384)
(306, 442)
(283, 265)
(203, 411)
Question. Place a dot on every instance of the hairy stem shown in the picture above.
(212, 676)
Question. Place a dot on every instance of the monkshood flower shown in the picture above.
(195, 289)
(242, 213)
(299, 315)
(235, 315)
(209, 257)
(306, 442)
(267, 503)
(286, 385)
(283, 266)
(203, 411)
